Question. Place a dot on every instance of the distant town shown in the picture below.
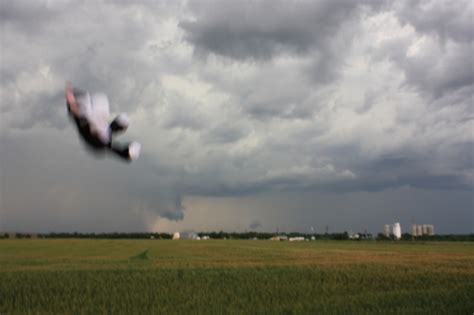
(391, 232)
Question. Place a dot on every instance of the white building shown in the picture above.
(296, 239)
(419, 230)
(422, 229)
(425, 229)
(430, 229)
(397, 230)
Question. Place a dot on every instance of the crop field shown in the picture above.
(245, 277)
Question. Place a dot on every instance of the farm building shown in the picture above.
(279, 238)
(296, 239)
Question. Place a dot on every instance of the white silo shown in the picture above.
(425, 229)
(419, 230)
(397, 230)
(413, 230)
(430, 229)
(386, 230)
(176, 236)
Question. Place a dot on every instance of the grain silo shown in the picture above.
(430, 229)
(397, 230)
(414, 230)
(176, 236)
(419, 230)
(386, 230)
(425, 229)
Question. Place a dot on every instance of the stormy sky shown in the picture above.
(252, 115)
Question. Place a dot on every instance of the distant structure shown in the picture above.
(422, 229)
(419, 230)
(176, 236)
(354, 236)
(279, 238)
(397, 230)
(393, 231)
(189, 235)
(296, 239)
(430, 229)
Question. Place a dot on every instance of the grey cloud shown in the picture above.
(440, 168)
(443, 62)
(451, 71)
(90, 50)
(68, 189)
(223, 134)
(259, 31)
(445, 19)
(46, 109)
(26, 15)
(37, 107)
(262, 29)
(182, 115)
(297, 47)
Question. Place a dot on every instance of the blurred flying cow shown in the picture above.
(91, 114)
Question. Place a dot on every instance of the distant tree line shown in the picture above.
(437, 237)
(242, 236)
(115, 235)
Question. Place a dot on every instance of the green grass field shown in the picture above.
(222, 276)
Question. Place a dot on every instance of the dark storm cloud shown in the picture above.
(26, 15)
(261, 30)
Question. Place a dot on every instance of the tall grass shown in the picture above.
(254, 277)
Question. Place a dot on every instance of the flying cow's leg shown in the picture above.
(129, 151)
(119, 124)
